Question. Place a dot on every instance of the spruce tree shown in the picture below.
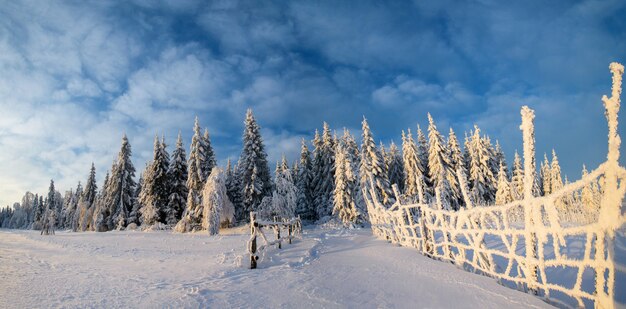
(177, 175)
(371, 170)
(555, 174)
(209, 156)
(233, 189)
(214, 199)
(305, 207)
(442, 173)
(414, 179)
(118, 195)
(284, 196)
(545, 176)
(500, 158)
(153, 188)
(422, 153)
(481, 175)
(517, 180)
(192, 216)
(86, 205)
(253, 167)
(503, 194)
(395, 170)
(323, 173)
(346, 184)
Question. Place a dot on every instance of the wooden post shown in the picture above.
(278, 236)
(253, 248)
(289, 228)
(528, 134)
(610, 206)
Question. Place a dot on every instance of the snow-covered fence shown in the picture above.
(293, 227)
(557, 246)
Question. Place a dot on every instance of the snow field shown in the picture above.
(326, 268)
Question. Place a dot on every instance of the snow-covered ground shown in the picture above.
(326, 268)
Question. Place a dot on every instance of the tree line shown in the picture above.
(192, 193)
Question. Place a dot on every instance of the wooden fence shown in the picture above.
(293, 227)
(558, 247)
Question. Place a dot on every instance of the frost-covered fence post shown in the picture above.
(528, 132)
(253, 227)
(610, 212)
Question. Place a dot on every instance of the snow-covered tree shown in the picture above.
(177, 176)
(51, 204)
(500, 158)
(413, 167)
(305, 207)
(209, 161)
(589, 195)
(442, 173)
(346, 184)
(135, 215)
(323, 171)
(233, 189)
(191, 219)
(119, 197)
(284, 196)
(395, 169)
(422, 153)
(38, 213)
(84, 214)
(253, 169)
(517, 180)
(372, 169)
(214, 199)
(503, 194)
(480, 173)
(555, 174)
(153, 196)
(545, 176)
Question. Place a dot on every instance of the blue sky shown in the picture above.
(76, 75)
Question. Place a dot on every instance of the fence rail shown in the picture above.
(555, 246)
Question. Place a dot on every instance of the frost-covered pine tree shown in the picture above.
(214, 199)
(500, 158)
(517, 179)
(493, 161)
(545, 176)
(589, 194)
(192, 216)
(119, 197)
(481, 177)
(422, 153)
(38, 212)
(84, 214)
(305, 207)
(556, 183)
(177, 176)
(209, 155)
(346, 184)
(414, 169)
(371, 169)
(323, 171)
(395, 169)
(233, 189)
(135, 214)
(442, 173)
(253, 168)
(51, 204)
(503, 194)
(284, 196)
(152, 197)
